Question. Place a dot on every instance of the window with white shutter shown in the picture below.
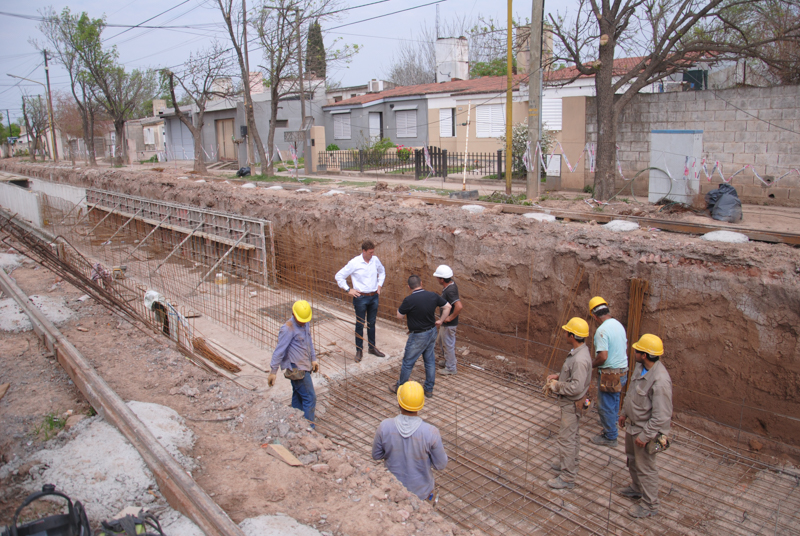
(551, 114)
(406, 123)
(491, 120)
(447, 122)
(341, 127)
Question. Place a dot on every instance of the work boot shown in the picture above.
(630, 493)
(601, 439)
(556, 467)
(375, 351)
(639, 511)
(393, 388)
(359, 355)
(557, 483)
(447, 372)
(428, 394)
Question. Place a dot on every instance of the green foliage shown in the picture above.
(315, 51)
(502, 197)
(4, 132)
(152, 160)
(332, 147)
(589, 189)
(51, 425)
(496, 67)
(403, 154)
(383, 145)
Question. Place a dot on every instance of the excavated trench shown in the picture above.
(728, 313)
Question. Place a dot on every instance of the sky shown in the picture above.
(142, 48)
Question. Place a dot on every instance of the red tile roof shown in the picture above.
(486, 84)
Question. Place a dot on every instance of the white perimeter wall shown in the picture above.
(24, 203)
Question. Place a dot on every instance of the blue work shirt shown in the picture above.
(295, 347)
(610, 337)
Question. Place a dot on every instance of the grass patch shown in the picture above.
(51, 425)
(357, 184)
(625, 200)
(437, 191)
(401, 172)
(501, 197)
(276, 178)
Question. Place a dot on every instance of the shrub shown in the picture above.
(403, 154)
(332, 147)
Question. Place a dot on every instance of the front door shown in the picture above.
(225, 145)
(375, 126)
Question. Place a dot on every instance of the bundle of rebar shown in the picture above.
(639, 288)
(202, 349)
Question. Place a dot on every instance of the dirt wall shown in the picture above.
(728, 313)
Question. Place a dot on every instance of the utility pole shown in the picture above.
(509, 118)
(247, 68)
(306, 161)
(50, 108)
(534, 183)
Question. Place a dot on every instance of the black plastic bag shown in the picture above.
(243, 172)
(724, 204)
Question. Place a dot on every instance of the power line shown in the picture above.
(148, 20)
(387, 14)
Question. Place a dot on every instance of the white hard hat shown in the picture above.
(443, 271)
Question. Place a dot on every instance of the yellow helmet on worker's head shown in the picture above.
(649, 344)
(594, 302)
(411, 396)
(302, 311)
(577, 326)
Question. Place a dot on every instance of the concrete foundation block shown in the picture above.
(754, 191)
(777, 193)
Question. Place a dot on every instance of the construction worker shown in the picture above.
(419, 310)
(409, 446)
(648, 413)
(447, 331)
(367, 275)
(611, 360)
(571, 387)
(295, 354)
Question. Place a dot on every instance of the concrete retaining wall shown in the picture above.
(22, 202)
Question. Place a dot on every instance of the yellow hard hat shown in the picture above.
(577, 326)
(649, 344)
(594, 302)
(411, 396)
(302, 311)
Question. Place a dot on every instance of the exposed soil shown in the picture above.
(337, 491)
(728, 313)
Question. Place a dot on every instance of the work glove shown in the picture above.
(549, 387)
(271, 380)
(314, 366)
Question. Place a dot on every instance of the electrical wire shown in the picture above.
(387, 14)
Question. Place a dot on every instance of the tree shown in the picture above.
(664, 36)
(495, 67)
(236, 24)
(34, 111)
(315, 51)
(197, 80)
(277, 23)
(72, 38)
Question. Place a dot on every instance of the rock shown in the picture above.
(344, 470)
(378, 494)
(321, 468)
(72, 420)
(189, 391)
(274, 495)
(310, 444)
(756, 445)
(308, 459)
(284, 429)
(404, 514)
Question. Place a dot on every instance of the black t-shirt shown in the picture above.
(420, 309)
(451, 295)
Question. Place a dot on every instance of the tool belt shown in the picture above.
(582, 406)
(610, 381)
(294, 374)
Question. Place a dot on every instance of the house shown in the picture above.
(146, 137)
(225, 126)
(373, 86)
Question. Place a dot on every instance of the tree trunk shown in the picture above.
(197, 137)
(273, 113)
(119, 155)
(605, 171)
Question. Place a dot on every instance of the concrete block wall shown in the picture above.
(755, 126)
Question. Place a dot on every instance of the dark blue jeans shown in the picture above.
(608, 408)
(304, 397)
(366, 308)
(420, 344)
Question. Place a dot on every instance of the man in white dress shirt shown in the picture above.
(367, 275)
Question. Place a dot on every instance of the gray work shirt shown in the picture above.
(648, 402)
(411, 459)
(576, 374)
(295, 349)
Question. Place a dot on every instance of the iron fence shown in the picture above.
(396, 161)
